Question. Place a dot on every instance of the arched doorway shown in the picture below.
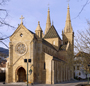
(21, 74)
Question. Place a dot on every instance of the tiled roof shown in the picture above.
(52, 33)
(82, 54)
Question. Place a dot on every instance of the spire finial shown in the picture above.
(38, 27)
(68, 7)
(22, 19)
(38, 22)
(48, 6)
(52, 22)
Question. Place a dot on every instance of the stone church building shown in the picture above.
(47, 51)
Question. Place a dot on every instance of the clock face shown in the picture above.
(20, 48)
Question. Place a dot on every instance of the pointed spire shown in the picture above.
(68, 14)
(48, 23)
(68, 27)
(52, 22)
(38, 27)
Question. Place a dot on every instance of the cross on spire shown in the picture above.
(22, 19)
(68, 1)
(48, 5)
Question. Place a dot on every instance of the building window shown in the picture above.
(35, 45)
(74, 67)
(77, 67)
(38, 49)
(38, 65)
(79, 73)
(38, 58)
(53, 42)
(38, 33)
(44, 65)
(66, 42)
(48, 51)
(46, 48)
(21, 34)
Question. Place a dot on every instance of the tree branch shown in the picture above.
(4, 44)
(87, 2)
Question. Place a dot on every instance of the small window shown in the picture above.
(46, 48)
(38, 49)
(38, 58)
(77, 67)
(38, 33)
(79, 73)
(48, 51)
(21, 34)
(74, 67)
(67, 30)
(35, 45)
(38, 74)
(53, 42)
(44, 65)
(66, 43)
(38, 65)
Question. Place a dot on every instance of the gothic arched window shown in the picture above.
(44, 65)
(66, 42)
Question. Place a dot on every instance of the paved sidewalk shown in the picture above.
(70, 83)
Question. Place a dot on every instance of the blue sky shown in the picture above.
(36, 10)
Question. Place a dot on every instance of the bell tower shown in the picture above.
(68, 34)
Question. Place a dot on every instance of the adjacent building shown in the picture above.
(80, 70)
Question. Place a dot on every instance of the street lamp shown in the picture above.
(27, 60)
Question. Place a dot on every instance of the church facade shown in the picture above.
(48, 53)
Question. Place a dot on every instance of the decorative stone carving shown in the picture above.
(20, 48)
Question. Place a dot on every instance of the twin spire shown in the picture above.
(48, 23)
(68, 26)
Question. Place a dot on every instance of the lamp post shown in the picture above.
(27, 60)
(88, 74)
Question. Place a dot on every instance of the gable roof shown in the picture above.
(52, 33)
(48, 44)
(21, 25)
